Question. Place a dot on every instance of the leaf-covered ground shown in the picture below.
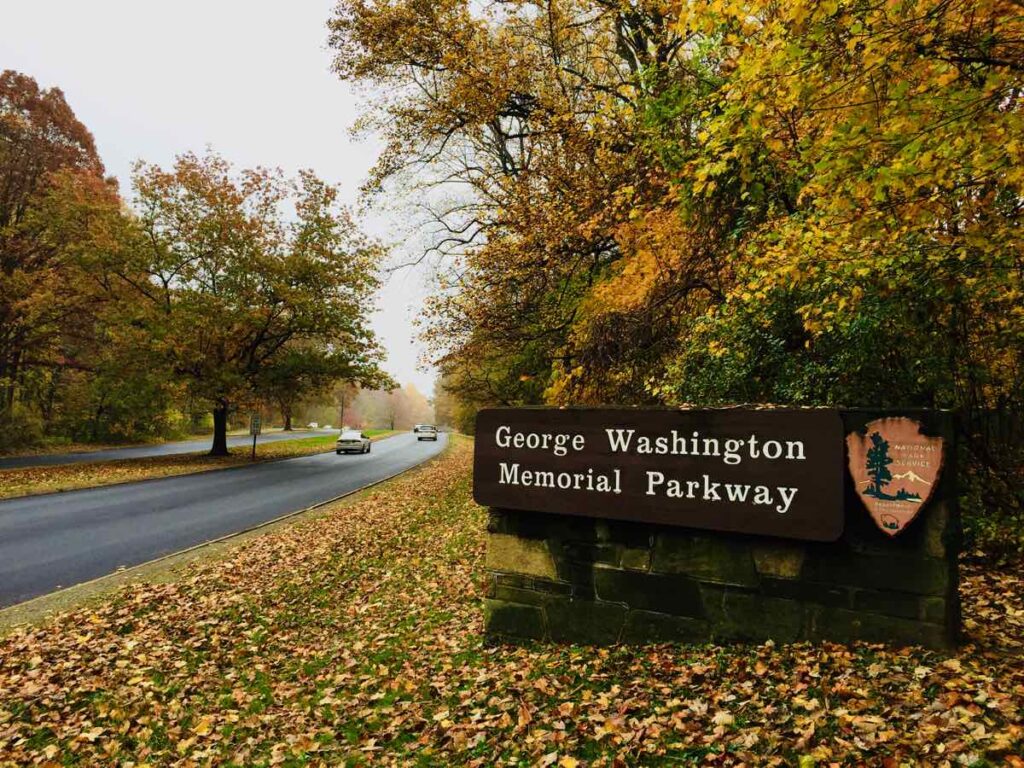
(355, 638)
(69, 477)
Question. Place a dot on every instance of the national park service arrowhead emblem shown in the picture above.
(895, 469)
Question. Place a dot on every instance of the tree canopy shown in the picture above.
(53, 197)
(216, 289)
(714, 201)
(240, 299)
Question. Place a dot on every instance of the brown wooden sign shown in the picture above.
(772, 472)
(895, 469)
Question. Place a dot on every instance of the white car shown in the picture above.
(425, 432)
(352, 441)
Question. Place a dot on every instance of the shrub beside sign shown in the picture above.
(768, 472)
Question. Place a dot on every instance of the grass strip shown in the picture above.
(30, 481)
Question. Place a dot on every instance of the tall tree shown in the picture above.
(520, 121)
(345, 394)
(52, 194)
(240, 298)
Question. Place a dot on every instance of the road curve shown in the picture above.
(198, 445)
(61, 539)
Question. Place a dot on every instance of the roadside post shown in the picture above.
(255, 426)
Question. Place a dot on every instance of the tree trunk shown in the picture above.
(11, 374)
(220, 430)
(94, 429)
(286, 411)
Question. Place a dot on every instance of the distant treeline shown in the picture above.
(348, 406)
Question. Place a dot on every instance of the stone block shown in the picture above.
(631, 534)
(556, 588)
(505, 619)
(587, 552)
(584, 621)
(651, 627)
(717, 559)
(517, 595)
(636, 559)
(516, 580)
(580, 576)
(847, 625)
(814, 592)
(750, 616)
(661, 593)
(938, 531)
(505, 585)
(780, 560)
(898, 571)
(935, 609)
(506, 552)
(888, 602)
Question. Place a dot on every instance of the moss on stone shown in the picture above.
(636, 559)
(506, 552)
(779, 560)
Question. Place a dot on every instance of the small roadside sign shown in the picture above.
(255, 425)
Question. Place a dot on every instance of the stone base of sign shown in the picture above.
(579, 579)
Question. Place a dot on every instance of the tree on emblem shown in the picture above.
(878, 464)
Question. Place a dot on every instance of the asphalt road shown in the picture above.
(61, 539)
(197, 445)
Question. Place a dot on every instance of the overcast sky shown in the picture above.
(249, 78)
